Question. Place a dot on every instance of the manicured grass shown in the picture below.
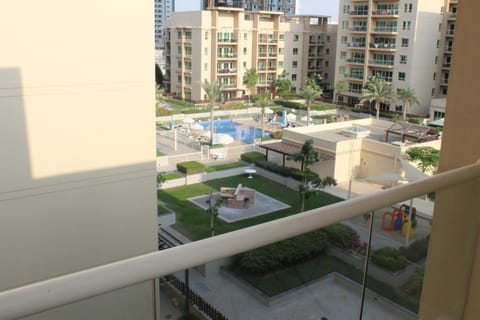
(225, 166)
(162, 210)
(194, 222)
(171, 175)
(159, 154)
(289, 278)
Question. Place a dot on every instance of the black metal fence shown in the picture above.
(195, 299)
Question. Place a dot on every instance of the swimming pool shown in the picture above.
(236, 130)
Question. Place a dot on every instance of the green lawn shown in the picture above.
(225, 166)
(171, 175)
(286, 279)
(194, 222)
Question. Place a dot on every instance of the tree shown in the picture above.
(158, 75)
(408, 97)
(377, 90)
(426, 158)
(311, 182)
(311, 187)
(213, 91)
(282, 84)
(339, 87)
(250, 79)
(263, 101)
(214, 205)
(309, 93)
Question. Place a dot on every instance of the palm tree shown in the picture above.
(408, 97)
(250, 80)
(263, 101)
(377, 90)
(339, 87)
(309, 93)
(306, 156)
(213, 91)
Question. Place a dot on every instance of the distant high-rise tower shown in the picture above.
(163, 10)
(285, 6)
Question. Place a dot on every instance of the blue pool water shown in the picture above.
(236, 130)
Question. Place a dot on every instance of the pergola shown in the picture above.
(412, 132)
(288, 149)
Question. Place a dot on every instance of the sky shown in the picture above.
(322, 7)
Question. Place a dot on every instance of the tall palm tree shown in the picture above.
(377, 90)
(213, 91)
(250, 79)
(309, 93)
(263, 101)
(339, 87)
(408, 97)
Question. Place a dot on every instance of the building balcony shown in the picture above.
(446, 65)
(385, 30)
(444, 82)
(360, 13)
(32, 298)
(229, 56)
(450, 33)
(354, 77)
(358, 29)
(383, 46)
(222, 72)
(385, 14)
(389, 64)
(356, 45)
(316, 42)
(229, 86)
(448, 49)
(356, 61)
(227, 41)
(452, 16)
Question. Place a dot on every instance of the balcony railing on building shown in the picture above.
(359, 13)
(376, 45)
(356, 60)
(358, 29)
(227, 71)
(389, 12)
(450, 32)
(227, 40)
(354, 76)
(354, 44)
(386, 29)
(388, 63)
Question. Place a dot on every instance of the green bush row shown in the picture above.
(417, 250)
(415, 284)
(284, 253)
(389, 258)
(296, 174)
(252, 156)
(341, 235)
(190, 167)
(179, 103)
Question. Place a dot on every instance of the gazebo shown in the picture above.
(412, 132)
(288, 149)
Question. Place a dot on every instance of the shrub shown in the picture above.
(389, 258)
(415, 284)
(276, 134)
(190, 167)
(252, 157)
(284, 253)
(289, 104)
(341, 235)
(417, 250)
(225, 166)
(415, 120)
(179, 103)
(162, 111)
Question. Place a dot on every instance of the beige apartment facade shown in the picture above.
(394, 40)
(223, 43)
(77, 187)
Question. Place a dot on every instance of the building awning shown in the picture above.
(289, 149)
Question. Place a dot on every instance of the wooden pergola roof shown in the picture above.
(413, 132)
(288, 149)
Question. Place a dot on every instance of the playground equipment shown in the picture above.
(398, 220)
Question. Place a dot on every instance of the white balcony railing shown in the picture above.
(48, 294)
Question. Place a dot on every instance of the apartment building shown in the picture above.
(288, 7)
(77, 187)
(163, 10)
(222, 44)
(444, 58)
(394, 40)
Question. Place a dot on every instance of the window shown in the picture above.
(281, 36)
(244, 64)
(188, 35)
(179, 64)
(244, 50)
(280, 50)
(296, 37)
(401, 76)
(436, 60)
(245, 36)
(205, 66)
(295, 51)
(408, 7)
(179, 49)
(206, 35)
(179, 78)
(329, 38)
(179, 34)
(344, 24)
(327, 51)
(404, 42)
(280, 64)
(343, 40)
(206, 51)
(433, 92)
(406, 25)
(346, 9)
(326, 64)
(294, 64)
(294, 77)
(434, 75)
(325, 76)
(341, 70)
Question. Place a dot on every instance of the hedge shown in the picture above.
(252, 157)
(284, 253)
(190, 167)
(415, 284)
(286, 171)
(389, 258)
(417, 250)
(341, 235)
